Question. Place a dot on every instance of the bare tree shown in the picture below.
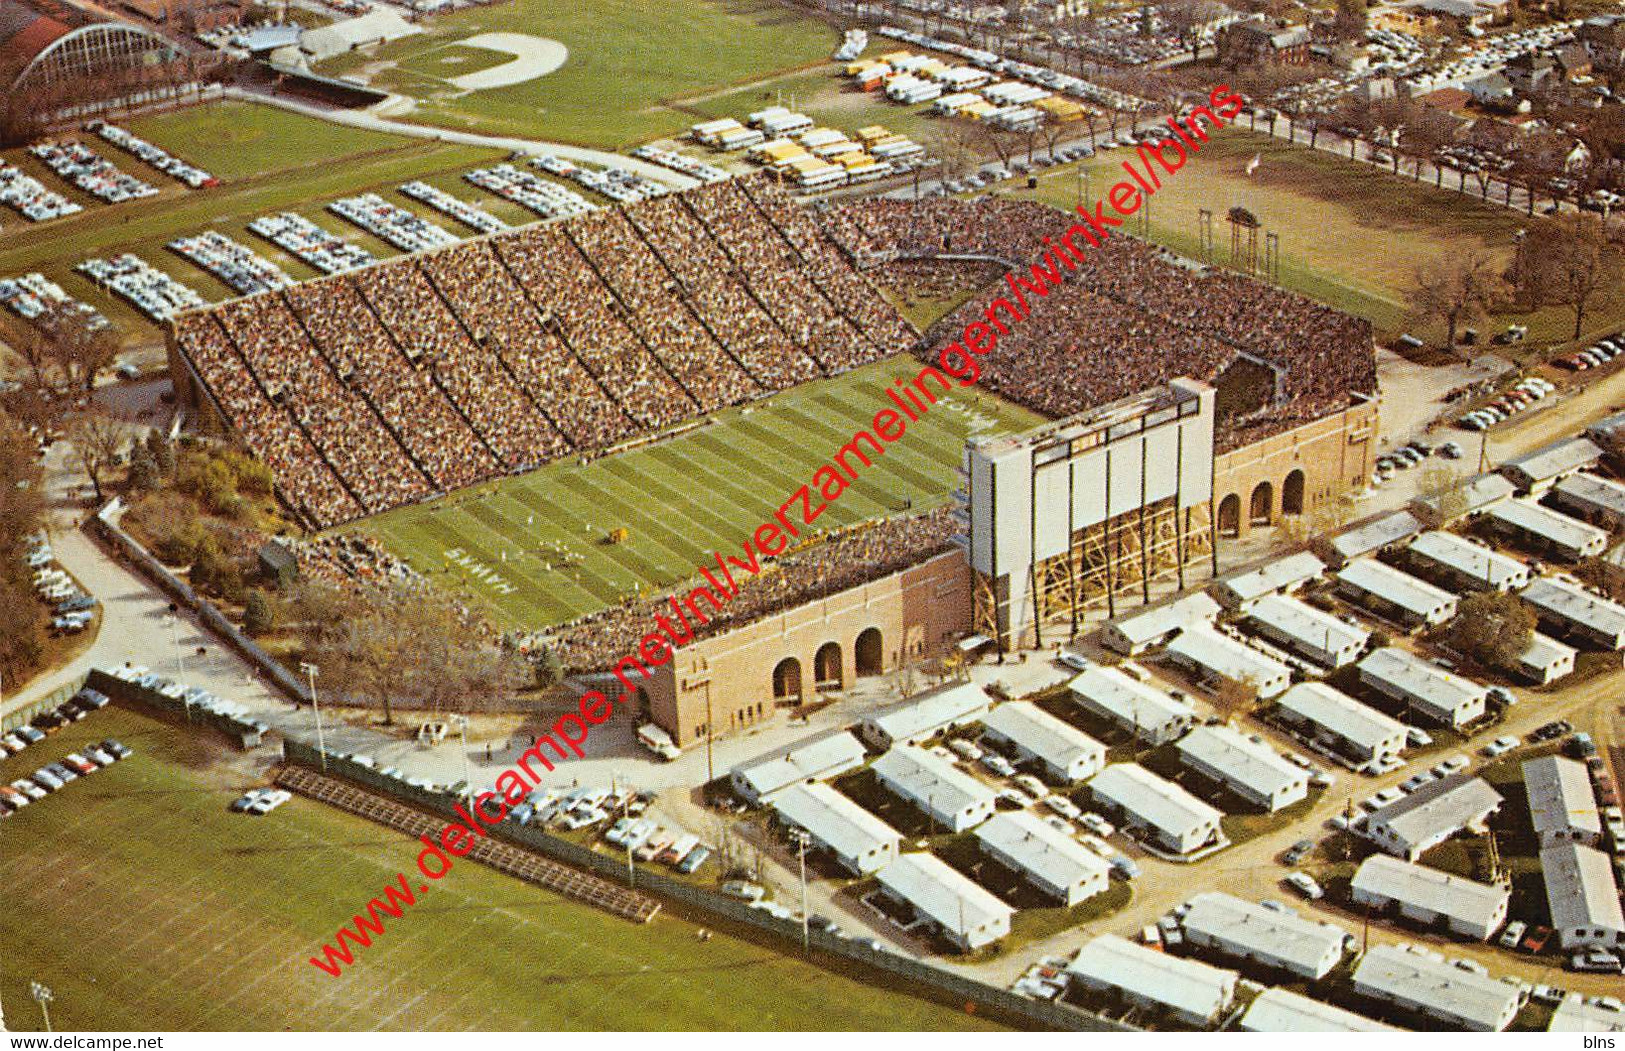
(98, 440)
(1571, 259)
(1456, 292)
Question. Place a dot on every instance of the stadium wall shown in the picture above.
(1294, 472)
(741, 677)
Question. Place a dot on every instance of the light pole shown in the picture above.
(799, 837)
(468, 775)
(42, 996)
(311, 671)
(175, 626)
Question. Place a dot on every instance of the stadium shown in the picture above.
(649, 333)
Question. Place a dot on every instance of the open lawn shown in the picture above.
(680, 499)
(269, 161)
(1350, 235)
(145, 905)
(628, 60)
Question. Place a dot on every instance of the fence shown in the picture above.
(836, 954)
(45, 704)
(242, 733)
(102, 526)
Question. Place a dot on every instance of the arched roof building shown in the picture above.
(44, 43)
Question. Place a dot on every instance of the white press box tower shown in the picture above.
(1088, 509)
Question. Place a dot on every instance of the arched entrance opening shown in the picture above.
(1262, 508)
(1292, 493)
(1230, 515)
(787, 680)
(867, 651)
(827, 666)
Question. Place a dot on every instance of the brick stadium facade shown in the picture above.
(1296, 471)
(739, 678)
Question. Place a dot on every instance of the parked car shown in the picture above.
(268, 801)
(1513, 934)
(965, 750)
(1031, 785)
(994, 763)
(1500, 746)
(1297, 851)
(1595, 961)
(1097, 824)
(695, 858)
(1063, 806)
(743, 890)
(116, 749)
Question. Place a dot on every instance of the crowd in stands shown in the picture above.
(470, 215)
(405, 230)
(433, 371)
(144, 286)
(89, 171)
(1130, 318)
(237, 265)
(30, 197)
(842, 561)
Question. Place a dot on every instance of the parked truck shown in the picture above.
(658, 741)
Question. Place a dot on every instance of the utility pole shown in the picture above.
(800, 838)
(468, 776)
(710, 771)
(311, 671)
(42, 996)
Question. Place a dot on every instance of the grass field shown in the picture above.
(680, 499)
(628, 60)
(144, 905)
(1351, 236)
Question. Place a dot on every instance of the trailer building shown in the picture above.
(1562, 807)
(1465, 564)
(1173, 817)
(859, 840)
(1427, 896)
(925, 715)
(1575, 1015)
(1545, 660)
(1368, 539)
(1144, 710)
(1280, 577)
(1188, 991)
(1582, 895)
(1428, 690)
(1310, 633)
(1246, 930)
(1067, 753)
(951, 797)
(1600, 501)
(1538, 471)
(1049, 859)
(1133, 635)
(1211, 656)
(1472, 497)
(817, 759)
(1253, 771)
(1551, 532)
(1334, 720)
(1432, 814)
(1395, 595)
(1283, 1011)
(1436, 990)
(961, 911)
(1570, 609)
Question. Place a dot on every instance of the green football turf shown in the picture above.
(630, 60)
(145, 905)
(682, 499)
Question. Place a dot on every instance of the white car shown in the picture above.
(1305, 885)
(1097, 824)
(1064, 807)
(1500, 746)
(1075, 661)
(965, 750)
(268, 801)
(994, 763)
(1031, 785)
(1453, 765)
(1512, 935)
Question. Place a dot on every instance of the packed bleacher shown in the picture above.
(433, 371)
(843, 561)
(239, 266)
(1132, 317)
(405, 230)
(470, 215)
(31, 198)
(91, 172)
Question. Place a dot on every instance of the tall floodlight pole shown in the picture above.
(42, 996)
(468, 776)
(175, 625)
(799, 837)
(311, 671)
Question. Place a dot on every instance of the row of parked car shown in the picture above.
(260, 801)
(647, 840)
(42, 725)
(1599, 353)
(74, 609)
(1512, 401)
(53, 777)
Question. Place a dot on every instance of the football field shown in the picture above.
(534, 550)
(145, 905)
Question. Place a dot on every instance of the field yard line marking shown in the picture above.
(654, 478)
(399, 1010)
(656, 535)
(504, 494)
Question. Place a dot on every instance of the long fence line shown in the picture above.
(837, 954)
